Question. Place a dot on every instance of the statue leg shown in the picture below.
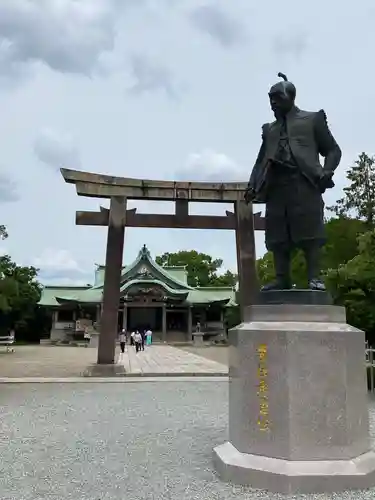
(281, 259)
(312, 253)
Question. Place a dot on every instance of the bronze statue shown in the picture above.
(289, 179)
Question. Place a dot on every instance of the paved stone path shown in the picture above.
(165, 359)
(57, 362)
(110, 380)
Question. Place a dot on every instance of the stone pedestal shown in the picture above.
(94, 340)
(113, 370)
(198, 339)
(298, 415)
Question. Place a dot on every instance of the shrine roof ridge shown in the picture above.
(66, 287)
(105, 186)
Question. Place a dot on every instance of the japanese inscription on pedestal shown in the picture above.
(262, 376)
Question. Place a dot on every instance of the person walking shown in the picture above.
(148, 337)
(86, 336)
(132, 338)
(143, 339)
(137, 341)
(122, 340)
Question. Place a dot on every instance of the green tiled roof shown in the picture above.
(177, 272)
(144, 257)
(148, 282)
(143, 271)
(50, 293)
(90, 296)
(211, 294)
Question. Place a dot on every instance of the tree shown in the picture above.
(342, 241)
(266, 270)
(19, 293)
(353, 285)
(232, 317)
(3, 232)
(359, 197)
(341, 246)
(226, 279)
(202, 269)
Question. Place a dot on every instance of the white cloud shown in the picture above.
(220, 25)
(61, 268)
(211, 166)
(62, 281)
(293, 43)
(66, 35)
(53, 259)
(150, 75)
(56, 150)
(11, 69)
(8, 188)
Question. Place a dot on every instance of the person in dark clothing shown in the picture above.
(143, 339)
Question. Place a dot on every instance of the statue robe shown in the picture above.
(286, 177)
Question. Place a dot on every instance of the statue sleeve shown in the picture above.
(253, 182)
(327, 145)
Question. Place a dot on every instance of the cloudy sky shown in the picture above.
(173, 89)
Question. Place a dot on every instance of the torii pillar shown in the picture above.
(112, 281)
(246, 258)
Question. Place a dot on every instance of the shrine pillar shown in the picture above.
(125, 317)
(164, 323)
(189, 323)
(98, 313)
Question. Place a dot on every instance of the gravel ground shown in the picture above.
(119, 441)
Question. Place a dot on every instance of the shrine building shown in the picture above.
(151, 296)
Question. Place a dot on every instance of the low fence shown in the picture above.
(370, 367)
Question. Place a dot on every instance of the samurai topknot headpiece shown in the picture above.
(285, 87)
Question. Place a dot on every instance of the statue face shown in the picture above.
(281, 102)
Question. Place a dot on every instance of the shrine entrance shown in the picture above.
(145, 317)
(119, 190)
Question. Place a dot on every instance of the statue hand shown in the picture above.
(249, 194)
(325, 181)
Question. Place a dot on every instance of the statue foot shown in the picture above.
(317, 284)
(276, 285)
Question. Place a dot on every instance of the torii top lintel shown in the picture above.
(105, 186)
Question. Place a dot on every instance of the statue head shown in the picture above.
(282, 96)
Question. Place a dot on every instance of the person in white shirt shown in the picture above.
(122, 340)
(138, 341)
(132, 338)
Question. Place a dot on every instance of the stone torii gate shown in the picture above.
(117, 217)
